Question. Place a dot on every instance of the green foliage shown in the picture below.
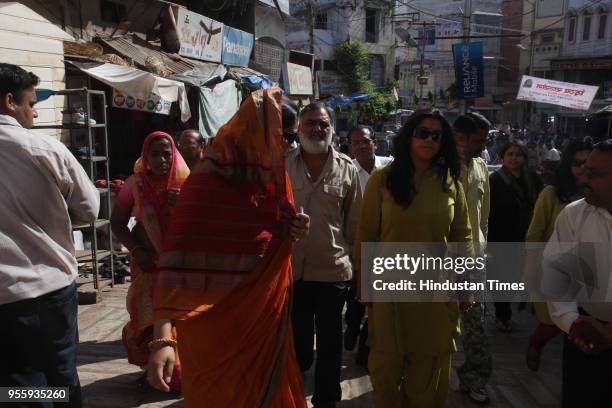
(452, 91)
(352, 59)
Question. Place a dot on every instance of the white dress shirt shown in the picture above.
(44, 190)
(364, 176)
(581, 222)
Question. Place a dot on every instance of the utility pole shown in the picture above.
(422, 71)
(311, 24)
(531, 47)
(467, 29)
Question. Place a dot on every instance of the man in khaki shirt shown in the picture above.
(326, 185)
(470, 134)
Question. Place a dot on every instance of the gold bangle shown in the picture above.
(157, 344)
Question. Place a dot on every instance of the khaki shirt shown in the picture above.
(333, 203)
(475, 181)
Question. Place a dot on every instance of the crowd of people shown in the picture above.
(246, 253)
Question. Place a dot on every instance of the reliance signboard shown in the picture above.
(469, 69)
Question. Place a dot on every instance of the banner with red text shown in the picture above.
(575, 96)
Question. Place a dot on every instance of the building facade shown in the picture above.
(334, 22)
(585, 58)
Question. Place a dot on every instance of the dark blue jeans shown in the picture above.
(39, 344)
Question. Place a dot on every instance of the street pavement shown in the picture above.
(109, 381)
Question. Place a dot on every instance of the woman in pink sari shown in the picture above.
(149, 195)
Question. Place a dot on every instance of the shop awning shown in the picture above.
(139, 84)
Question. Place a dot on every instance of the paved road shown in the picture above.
(109, 381)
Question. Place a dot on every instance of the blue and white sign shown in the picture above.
(237, 46)
(469, 69)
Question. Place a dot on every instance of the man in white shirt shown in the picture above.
(583, 236)
(362, 145)
(44, 190)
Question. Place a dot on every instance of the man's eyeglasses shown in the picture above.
(424, 134)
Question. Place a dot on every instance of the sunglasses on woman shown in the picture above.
(424, 134)
(578, 163)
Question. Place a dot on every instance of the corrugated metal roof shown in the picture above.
(137, 50)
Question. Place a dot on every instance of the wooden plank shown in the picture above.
(23, 57)
(16, 9)
(29, 27)
(15, 41)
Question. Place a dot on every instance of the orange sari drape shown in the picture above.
(225, 269)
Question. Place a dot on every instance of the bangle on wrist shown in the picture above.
(157, 344)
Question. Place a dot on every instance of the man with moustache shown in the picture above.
(578, 260)
(326, 186)
(191, 145)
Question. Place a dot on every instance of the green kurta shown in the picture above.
(547, 208)
(433, 216)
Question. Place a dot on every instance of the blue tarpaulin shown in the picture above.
(259, 82)
(347, 100)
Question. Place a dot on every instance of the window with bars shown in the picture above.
(601, 30)
(321, 20)
(586, 28)
(571, 36)
(370, 23)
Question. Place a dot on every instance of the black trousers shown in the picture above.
(354, 312)
(39, 343)
(587, 378)
(317, 308)
(503, 311)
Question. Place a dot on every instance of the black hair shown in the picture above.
(400, 179)
(508, 145)
(290, 113)
(480, 121)
(465, 124)
(199, 137)
(290, 117)
(15, 80)
(563, 181)
(603, 146)
(315, 106)
(361, 127)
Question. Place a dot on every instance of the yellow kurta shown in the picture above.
(411, 343)
(433, 216)
(547, 208)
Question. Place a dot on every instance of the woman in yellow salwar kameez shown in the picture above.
(415, 199)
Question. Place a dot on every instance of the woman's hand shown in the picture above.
(160, 367)
(173, 195)
(299, 226)
(299, 223)
(144, 258)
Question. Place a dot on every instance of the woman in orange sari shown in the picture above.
(225, 278)
(149, 195)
